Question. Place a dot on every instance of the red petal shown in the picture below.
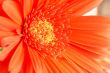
(1, 1)
(27, 64)
(4, 64)
(17, 59)
(29, 68)
(4, 67)
(12, 9)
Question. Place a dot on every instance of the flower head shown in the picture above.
(51, 36)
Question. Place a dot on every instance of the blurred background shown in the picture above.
(102, 10)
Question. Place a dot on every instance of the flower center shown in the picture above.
(45, 36)
(41, 31)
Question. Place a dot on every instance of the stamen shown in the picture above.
(42, 31)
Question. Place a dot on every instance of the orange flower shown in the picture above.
(51, 36)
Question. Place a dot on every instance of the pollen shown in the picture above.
(42, 32)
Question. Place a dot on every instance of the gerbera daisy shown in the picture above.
(51, 36)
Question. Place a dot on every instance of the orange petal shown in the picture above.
(79, 7)
(6, 33)
(63, 67)
(27, 6)
(44, 67)
(41, 4)
(12, 9)
(72, 7)
(51, 66)
(90, 23)
(9, 24)
(8, 44)
(15, 64)
(59, 66)
(84, 62)
(87, 34)
(74, 65)
(36, 60)
(94, 42)
(2, 28)
(91, 52)
(50, 7)
(4, 42)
